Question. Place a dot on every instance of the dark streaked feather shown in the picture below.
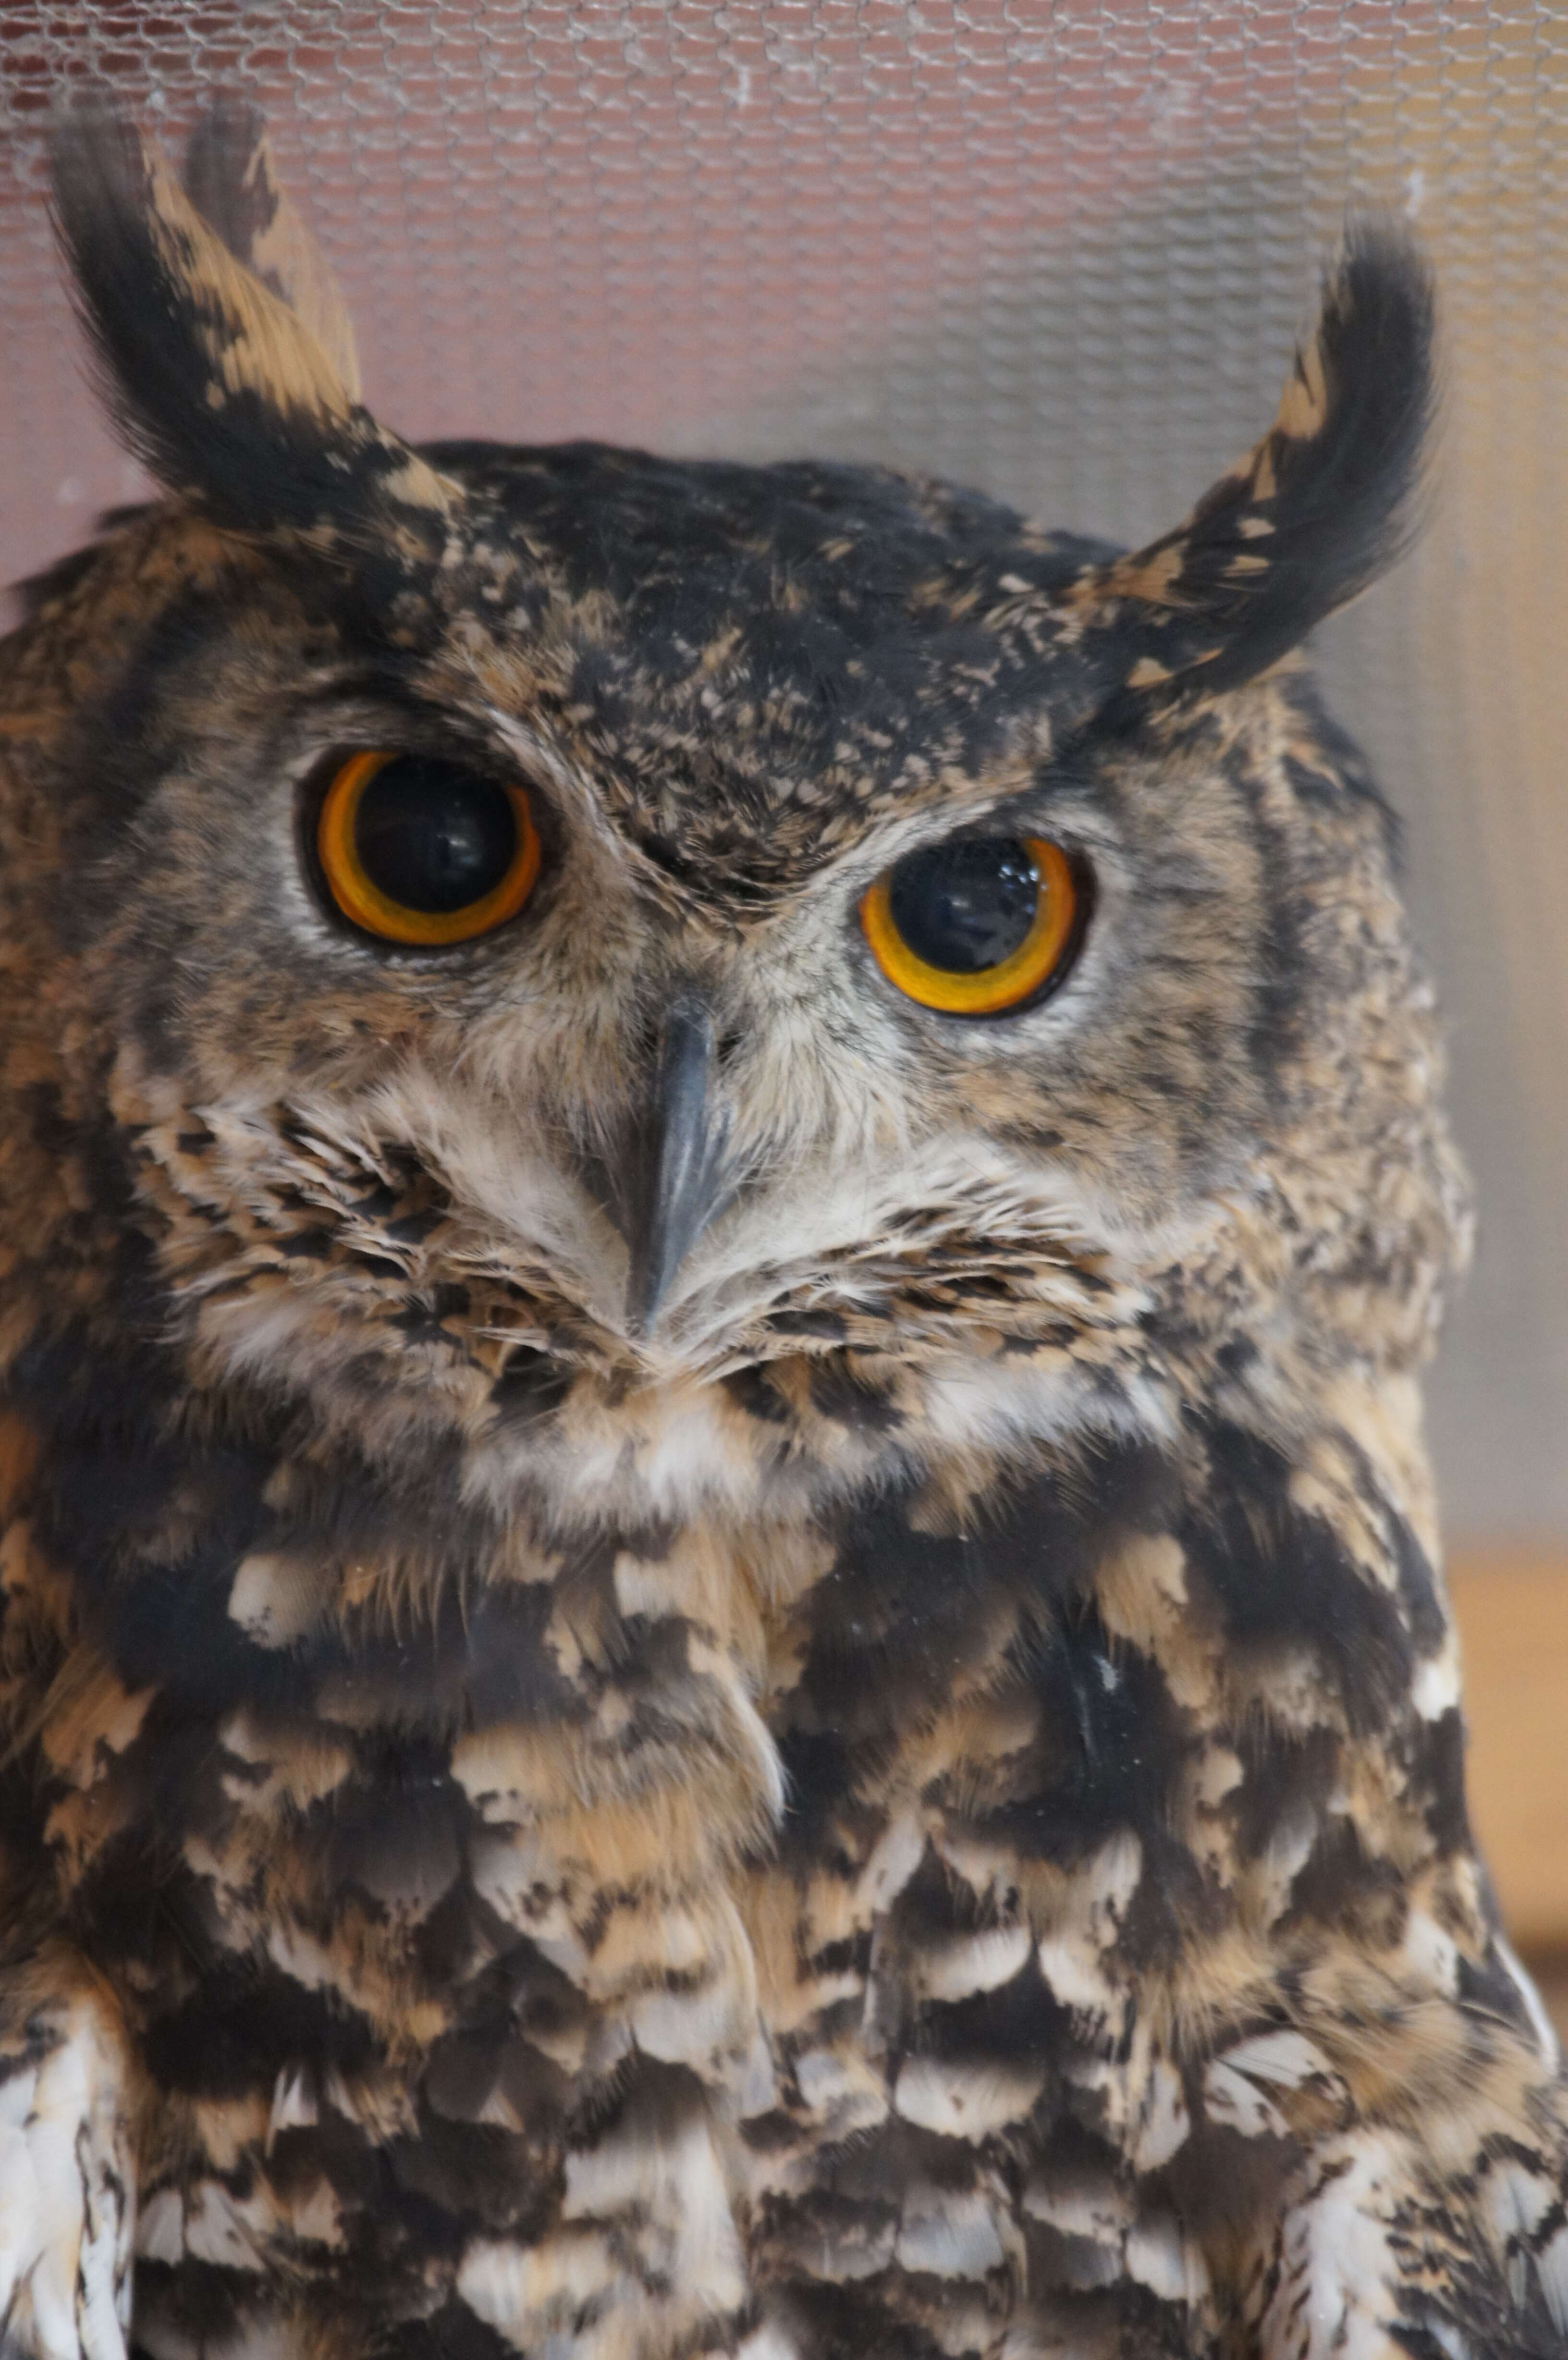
(229, 178)
(226, 394)
(1319, 507)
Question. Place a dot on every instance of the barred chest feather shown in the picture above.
(903, 1921)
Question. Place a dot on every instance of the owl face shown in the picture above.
(555, 928)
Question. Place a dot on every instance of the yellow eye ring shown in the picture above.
(367, 904)
(987, 990)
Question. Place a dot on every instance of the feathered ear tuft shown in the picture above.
(231, 181)
(224, 391)
(1317, 510)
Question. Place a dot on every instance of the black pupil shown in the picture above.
(966, 905)
(434, 836)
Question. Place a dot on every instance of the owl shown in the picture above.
(722, 1188)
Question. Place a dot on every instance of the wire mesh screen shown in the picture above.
(1059, 251)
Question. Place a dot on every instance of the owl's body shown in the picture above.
(697, 1660)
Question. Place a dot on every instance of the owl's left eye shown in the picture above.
(978, 927)
(423, 851)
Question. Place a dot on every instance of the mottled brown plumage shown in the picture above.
(695, 1660)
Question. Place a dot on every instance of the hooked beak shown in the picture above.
(675, 1179)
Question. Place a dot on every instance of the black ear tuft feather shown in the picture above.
(1315, 511)
(222, 388)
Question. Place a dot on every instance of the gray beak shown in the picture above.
(675, 1179)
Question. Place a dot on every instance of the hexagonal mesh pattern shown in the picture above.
(1057, 250)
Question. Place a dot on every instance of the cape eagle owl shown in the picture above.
(720, 1191)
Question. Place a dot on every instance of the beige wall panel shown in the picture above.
(1513, 1619)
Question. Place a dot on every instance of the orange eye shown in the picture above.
(420, 850)
(976, 926)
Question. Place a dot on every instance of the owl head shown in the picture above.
(517, 948)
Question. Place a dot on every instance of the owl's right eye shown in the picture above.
(978, 927)
(422, 851)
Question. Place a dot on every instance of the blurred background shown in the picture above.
(1057, 249)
